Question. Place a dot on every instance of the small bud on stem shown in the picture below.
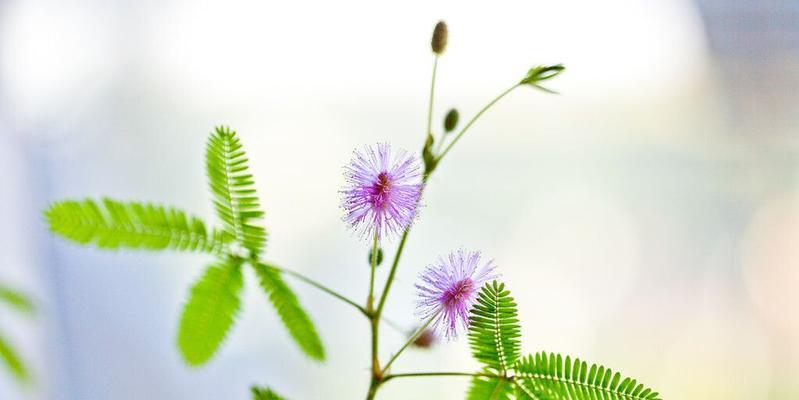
(428, 156)
(379, 256)
(439, 42)
(426, 340)
(451, 120)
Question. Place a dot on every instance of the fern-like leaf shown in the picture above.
(489, 388)
(551, 377)
(16, 300)
(494, 331)
(291, 312)
(265, 393)
(210, 311)
(12, 361)
(233, 187)
(113, 224)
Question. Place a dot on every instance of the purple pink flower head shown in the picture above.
(382, 193)
(448, 290)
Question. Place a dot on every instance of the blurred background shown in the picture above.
(647, 218)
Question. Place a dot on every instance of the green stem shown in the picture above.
(373, 386)
(395, 263)
(391, 274)
(377, 376)
(374, 315)
(433, 374)
(432, 95)
(475, 118)
(440, 143)
(371, 299)
(374, 325)
(408, 343)
(319, 286)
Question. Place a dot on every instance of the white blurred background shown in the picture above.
(647, 218)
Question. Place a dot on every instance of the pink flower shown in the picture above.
(381, 195)
(448, 290)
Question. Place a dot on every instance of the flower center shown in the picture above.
(459, 293)
(381, 190)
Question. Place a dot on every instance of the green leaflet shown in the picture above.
(264, 393)
(12, 361)
(214, 299)
(550, 377)
(114, 224)
(489, 388)
(494, 330)
(541, 73)
(16, 300)
(233, 187)
(290, 311)
(210, 311)
(8, 354)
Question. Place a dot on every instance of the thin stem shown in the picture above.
(408, 343)
(395, 263)
(319, 286)
(374, 315)
(440, 143)
(433, 374)
(391, 274)
(432, 95)
(401, 246)
(377, 375)
(463, 130)
(476, 116)
(373, 386)
(374, 325)
(371, 299)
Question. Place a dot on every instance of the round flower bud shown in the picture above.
(439, 42)
(426, 340)
(451, 120)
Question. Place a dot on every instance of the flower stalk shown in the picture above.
(317, 285)
(409, 342)
(474, 119)
(370, 299)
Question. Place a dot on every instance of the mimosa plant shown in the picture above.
(460, 294)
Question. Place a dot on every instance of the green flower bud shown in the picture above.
(426, 340)
(379, 256)
(439, 42)
(451, 120)
(428, 157)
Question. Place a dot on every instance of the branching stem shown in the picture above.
(374, 315)
(408, 343)
(435, 374)
(474, 119)
(319, 286)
